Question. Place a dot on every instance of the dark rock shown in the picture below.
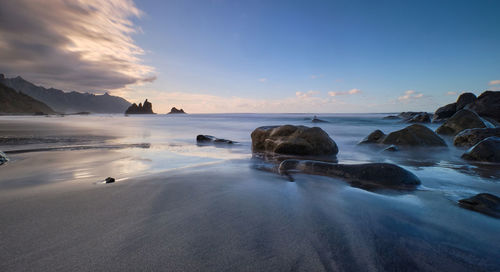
(174, 110)
(444, 112)
(487, 105)
(392, 117)
(147, 108)
(463, 119)
(414, 135)
(13, 102)
(3, 158)
(374, 138)
(484, 203)
(487, 150)
(470, 137)
(293, 140)
(391, 148)
(316, 120)
(211, 139)
(465, 99)
(109, 180)
(423, 117)
(369, 176)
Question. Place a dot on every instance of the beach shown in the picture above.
(180, 206)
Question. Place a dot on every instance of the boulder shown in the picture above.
(211, 139)
(470, 137)
(465, 99)
(174, 110)
(463, 119)
(374, 138)
(3, 158)
(422, 117)
(484, 203)
(414, 135)
(487, 150)
(487, 105)
(444, 112)
(146, 108)
(293, 140)
(369, 175)
(109, 180)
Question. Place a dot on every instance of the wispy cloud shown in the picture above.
(451, 93)
(307, 94)
(350, 92)
(76, 45)
(494, 82)
(262, 80)
(410, 95)
(316, 76)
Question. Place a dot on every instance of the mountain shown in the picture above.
(68, 102)
(15, 102)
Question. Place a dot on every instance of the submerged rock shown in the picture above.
(487, 150)
(174, 110)
(146, 108)
(316, 120)
(109, 180)
(462, 120)
(3, 158)
(414, 135)
(470, 137)
(444, 112)
(465, 99)
(374, 138)
(392, 117)
(293, 140)
(484, 203)
(369, 176)
(487, 105)
(211, 139)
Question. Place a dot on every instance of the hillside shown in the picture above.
(68, 102)
(12, 102)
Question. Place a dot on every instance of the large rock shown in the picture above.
(465, 99)
(463, 119)
(484, 203)
(146, 108)
(487, 104)
(414, 135)
(293, 140)
(444, 112)
(470, 137)
(174, 110)
(370, 175)
(374, 138)
(487, 150)
(3, 158)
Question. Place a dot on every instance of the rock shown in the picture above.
(374, 138)
(463, 119)
(487, 150)
(293, 140)
(3, 158)
(470, 137)
(316, 120)
(465, 99)
(423, 117)
(487, 105)
(391, 148)
(174, 110)
(109, 180)
(444, 112)
(414, 135)
(211, 139)
(484, 203)
(146, 108)
(370, 175)
(392, 117)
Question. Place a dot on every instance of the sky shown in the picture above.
(257, 56)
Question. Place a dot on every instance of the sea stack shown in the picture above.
(146, 108)
(174, 110)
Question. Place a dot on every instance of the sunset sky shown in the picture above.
(257, 56)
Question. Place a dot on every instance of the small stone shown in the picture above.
(109, 180)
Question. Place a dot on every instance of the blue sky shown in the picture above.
(304, 56)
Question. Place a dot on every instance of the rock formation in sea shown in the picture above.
(146, 108)
(487, 150)
(470, 137)
(174, 110)
(484, 203)
(487, 106)
(14, 102)
(463, 119)
(209, 139)
(413, 135)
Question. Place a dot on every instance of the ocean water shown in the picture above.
(427, 222)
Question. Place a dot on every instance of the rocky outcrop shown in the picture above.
(374, 138)
(484, 203)
(146, 108)
(3, 158)
(487, 105)
(444, 112)
(487, 150)
(369, 176)
(13, 102)
(317, 120)
(206, 139)
(293, 140)
(470, 137)
(414, 135)
(463, 119)
(174, 110)
(422, 117)
(465, 99)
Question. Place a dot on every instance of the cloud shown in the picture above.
(306, 94)
(494, 82)
(350, 92)
(451, 93)
(410, 95)
(72, 45)
(263, 80)
(316, 76)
